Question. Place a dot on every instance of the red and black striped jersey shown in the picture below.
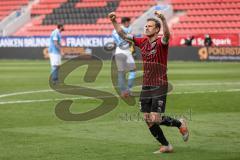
(154, 56)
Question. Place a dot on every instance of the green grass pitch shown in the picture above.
(208, 94)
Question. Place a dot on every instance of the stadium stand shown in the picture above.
(89, 17)
(207, 16)
(85, 17)
(8, 6)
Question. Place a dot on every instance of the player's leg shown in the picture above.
(156, 118)
(121, 65)
(132, 71)
(131, 77)
(158, 107)
(151, 119)
(55, 61)
(54, 72)
(155, 129)
(159, 104)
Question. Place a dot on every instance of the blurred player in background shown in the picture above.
(124, 59)
(154, 52)
(188, 40)
(207, 40)
(55, 52)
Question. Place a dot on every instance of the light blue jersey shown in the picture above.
(55, 36)
(117, 39)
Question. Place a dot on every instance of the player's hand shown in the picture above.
(112, 16)
(159, 15)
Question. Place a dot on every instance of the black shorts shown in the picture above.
(153, 99)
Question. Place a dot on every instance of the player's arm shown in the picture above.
(57, 44)
(59, 47)
(166, 32)
(119, 30)
(55, 39)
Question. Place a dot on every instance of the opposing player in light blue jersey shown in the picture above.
(124, 59)
(55, 52)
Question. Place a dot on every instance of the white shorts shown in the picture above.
(55, 59)
(124, 60)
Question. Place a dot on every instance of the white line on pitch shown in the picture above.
(177, 84)
(39, 91)
(78, 98)
(207, 84)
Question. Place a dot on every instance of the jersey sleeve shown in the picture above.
(161, 43)
(55, 36)
(138, 41)
(115, 36)
(164, 40)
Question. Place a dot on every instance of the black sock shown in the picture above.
(158, 134)
(168, 121)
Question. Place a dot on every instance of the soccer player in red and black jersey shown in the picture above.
(154, 50)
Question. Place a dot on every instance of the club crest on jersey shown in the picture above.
(160, 103)
(154, 51)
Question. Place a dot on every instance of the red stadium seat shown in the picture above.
(207, 16)
(102, 25)
(6, 6)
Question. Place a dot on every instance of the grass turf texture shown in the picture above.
(31, 131)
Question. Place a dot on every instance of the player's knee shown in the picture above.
(146, 117)
(155, 118)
